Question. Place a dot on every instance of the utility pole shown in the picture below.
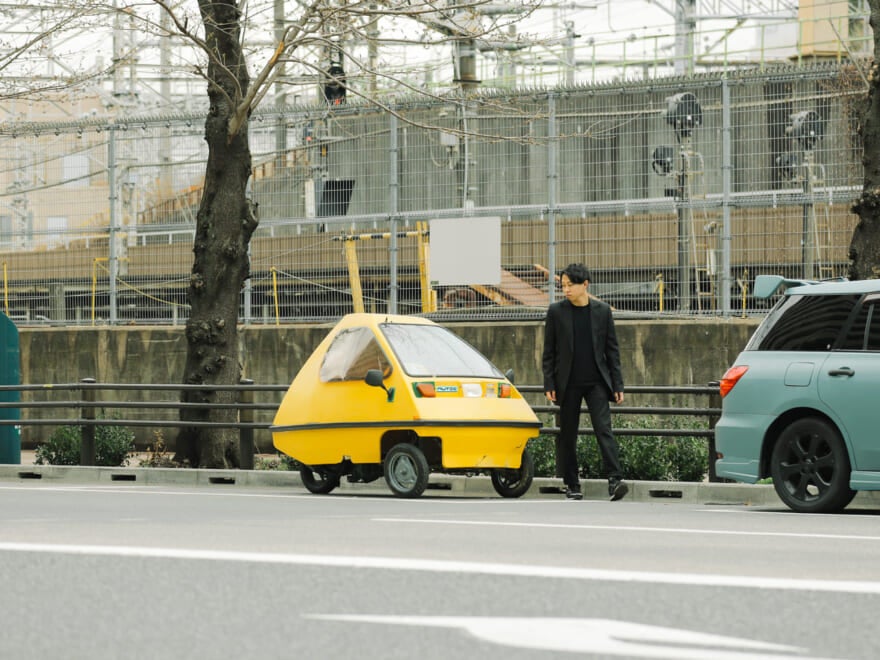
(280, 95)
(685, 29)
(165, 91)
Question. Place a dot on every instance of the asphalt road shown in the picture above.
(137, 571)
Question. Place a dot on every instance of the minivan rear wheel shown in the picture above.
(810, 467)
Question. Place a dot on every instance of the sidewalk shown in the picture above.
(440, 484)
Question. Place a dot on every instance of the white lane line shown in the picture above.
(625, 528)
(460, 567)
(147, 490)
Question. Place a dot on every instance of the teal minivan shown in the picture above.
(801, 404)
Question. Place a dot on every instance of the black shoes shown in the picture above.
(617, 489)
(573, 493)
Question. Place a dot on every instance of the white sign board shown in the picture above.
(465, 251)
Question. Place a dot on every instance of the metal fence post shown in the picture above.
(246, 416)
(552, 187)
(87, 413)
(726, 192)
(393, 209)
(714, 402)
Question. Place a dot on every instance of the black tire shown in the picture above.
(515, 482)
(406, 470)
(319, 481)
(810, 467)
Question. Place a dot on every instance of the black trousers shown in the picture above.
(596, 398)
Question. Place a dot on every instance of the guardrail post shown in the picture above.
(714, 402)
(87, 413)
(246, 416)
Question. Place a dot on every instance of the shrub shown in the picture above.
(645, 458)
(113, 446)
(157, 453)
(280, 462)
(62, 447)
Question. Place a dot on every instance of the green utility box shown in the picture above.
(10, 374)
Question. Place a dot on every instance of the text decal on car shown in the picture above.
(447, 389)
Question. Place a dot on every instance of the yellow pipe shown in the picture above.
(429, 297)
(275, 293)
(354, 276)
(94, 286)
(659, 279)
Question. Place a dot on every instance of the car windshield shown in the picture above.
(431, 350)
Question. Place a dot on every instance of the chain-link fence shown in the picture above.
(676, 193)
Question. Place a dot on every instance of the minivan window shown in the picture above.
(803, 323)
(864, 334)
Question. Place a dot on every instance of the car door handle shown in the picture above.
(843, 371)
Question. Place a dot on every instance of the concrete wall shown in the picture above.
(668, 352)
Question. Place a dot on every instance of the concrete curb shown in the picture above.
(665, 492)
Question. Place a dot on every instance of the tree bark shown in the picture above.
(225, 221)
(864, 247)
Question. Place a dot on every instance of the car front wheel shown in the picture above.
(406, 470)
(318, 481)
(515, 482)
(810, 467)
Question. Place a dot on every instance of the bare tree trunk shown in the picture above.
(225, 222)
(864, 247)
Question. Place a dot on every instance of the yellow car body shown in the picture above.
(428, 389)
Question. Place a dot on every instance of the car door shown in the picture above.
(849, 381)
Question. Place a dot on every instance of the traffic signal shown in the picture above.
(683, 113)
(807, 127)
(663, 160)
(334, 85)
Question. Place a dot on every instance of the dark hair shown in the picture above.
(577, 273)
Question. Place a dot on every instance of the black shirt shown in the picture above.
(583, 368)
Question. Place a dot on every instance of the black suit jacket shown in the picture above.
(559, 347)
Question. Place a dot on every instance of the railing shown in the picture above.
(247, 408)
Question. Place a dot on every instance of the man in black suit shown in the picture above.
(581, 362)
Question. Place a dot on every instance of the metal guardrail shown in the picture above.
(87, 405)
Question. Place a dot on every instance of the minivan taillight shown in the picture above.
(731, 378)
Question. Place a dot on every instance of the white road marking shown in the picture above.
(464, 567)
(147, 490)
(625, 528)
(595, 636)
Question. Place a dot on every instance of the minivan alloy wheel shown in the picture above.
(810, 467)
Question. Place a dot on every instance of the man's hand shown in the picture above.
(618, 397)
(551, 396)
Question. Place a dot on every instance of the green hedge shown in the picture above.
(643, 458)
(113, 446)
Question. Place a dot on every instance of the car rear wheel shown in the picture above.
(319, 481)
(515, 482)
(810, 467)
(406, 470)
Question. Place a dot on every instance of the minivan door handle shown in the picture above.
(843, 371)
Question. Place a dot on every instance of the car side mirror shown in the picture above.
(509, 375)
(375, 378)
